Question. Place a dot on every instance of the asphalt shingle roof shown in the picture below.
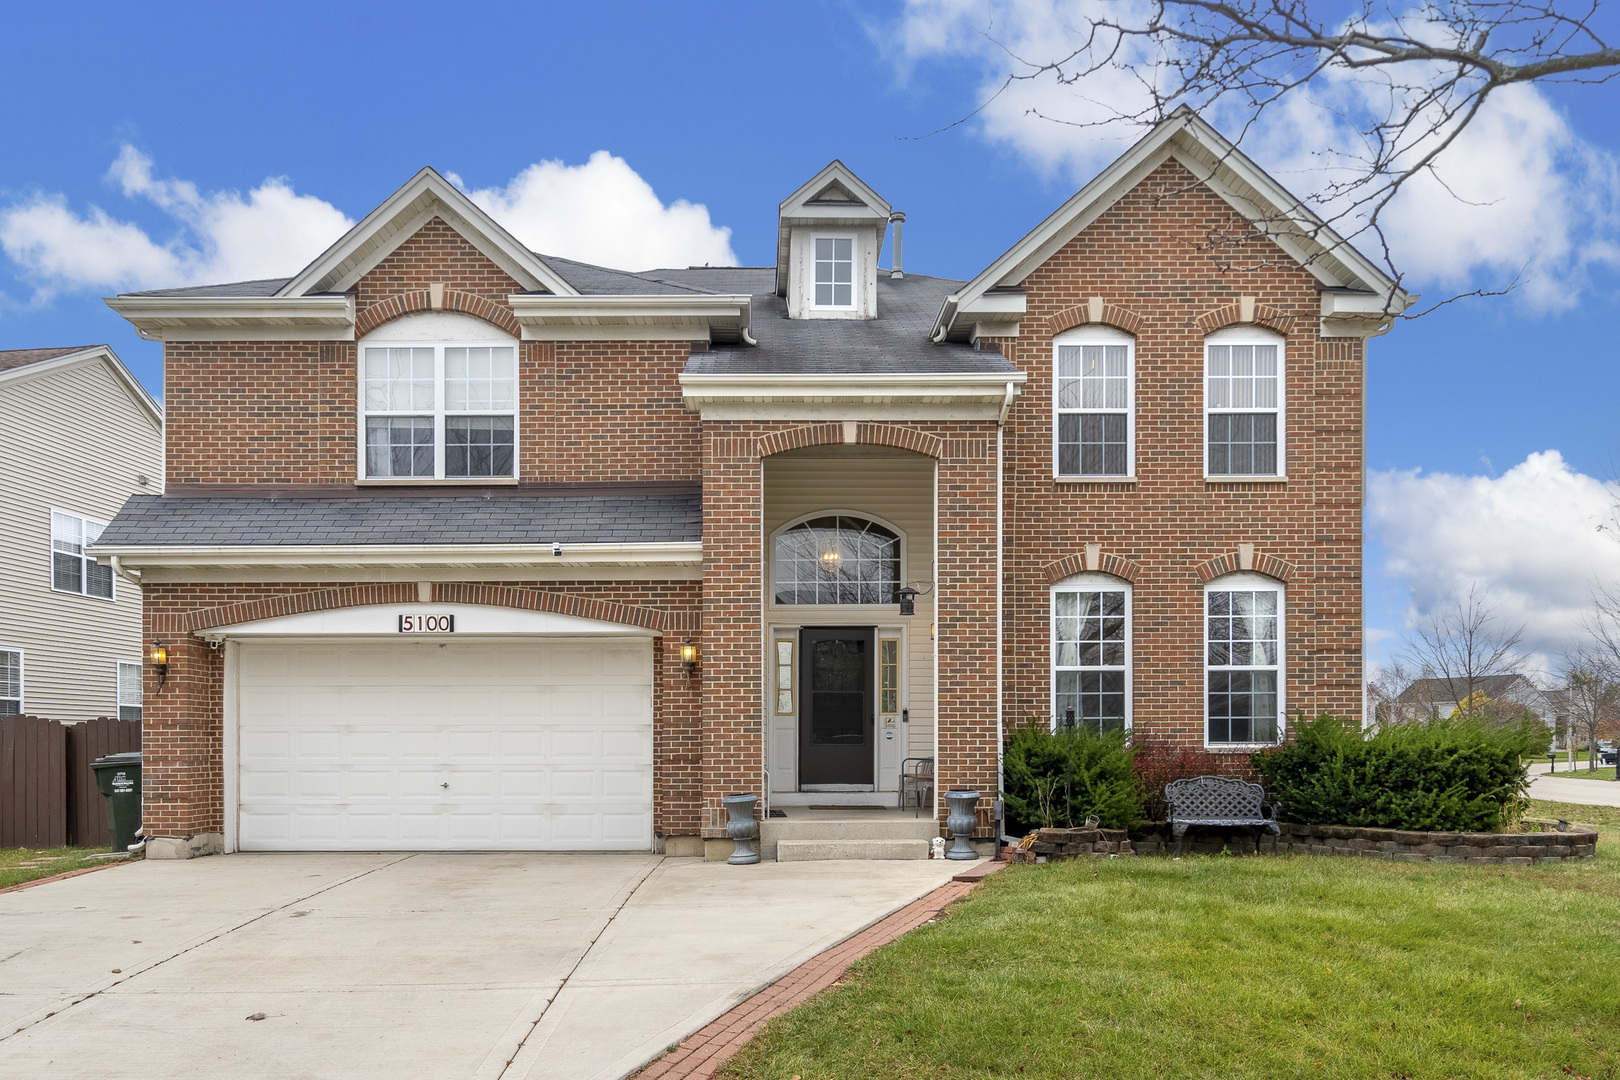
(198, 521)
(16, 358)
(259, 287)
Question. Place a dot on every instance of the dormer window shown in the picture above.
(835, 271)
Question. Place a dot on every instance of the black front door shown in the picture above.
(835, 720)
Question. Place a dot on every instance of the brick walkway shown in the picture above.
(704, 1051)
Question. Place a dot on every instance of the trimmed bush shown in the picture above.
(1459, 774)
(1057, 779)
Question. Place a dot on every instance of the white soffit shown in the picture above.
(383, 620)
(683, 317)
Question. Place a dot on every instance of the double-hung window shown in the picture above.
(11, 682)
(1243, 647)
(71, 569)
(439, 412)
(129, 690)
(1243, 403)
(1094, 402)
(835, 271)
(1091, 653)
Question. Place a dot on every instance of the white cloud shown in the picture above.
(1530, 536)
(599, 212)
(1525, 191)
(603, 212)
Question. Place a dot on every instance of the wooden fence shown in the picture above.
(48, 792)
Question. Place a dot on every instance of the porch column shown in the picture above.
(733, 505)
(966, 617)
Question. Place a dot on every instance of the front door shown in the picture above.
(835, 721)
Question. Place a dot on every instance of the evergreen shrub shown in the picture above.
(1060, 778)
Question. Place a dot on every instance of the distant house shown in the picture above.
(1431, 697)
(78, 437)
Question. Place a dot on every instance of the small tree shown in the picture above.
(1593, 696)
(1461, 646)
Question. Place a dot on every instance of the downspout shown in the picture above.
(1001, 627)
(132, 576)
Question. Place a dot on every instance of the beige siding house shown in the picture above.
(78, 436)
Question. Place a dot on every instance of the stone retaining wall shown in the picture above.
(1058, 844)
(1511, 849)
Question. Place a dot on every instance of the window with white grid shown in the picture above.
(1243, 404)
(129, 690)
(439, 411)
(1091, 653)
(1243, 645)
(11, 682)
(72, 570)
(836, 559)
(1094, 402)
(835, 271)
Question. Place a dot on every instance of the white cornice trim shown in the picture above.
(238, 318)
(694, 317)
(671, 554)
(972, 396)
(97, 353)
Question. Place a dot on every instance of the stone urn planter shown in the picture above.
(962, 821)
(741, 828)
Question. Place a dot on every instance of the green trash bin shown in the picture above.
(119, 777)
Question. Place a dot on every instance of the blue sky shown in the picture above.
(731, 106)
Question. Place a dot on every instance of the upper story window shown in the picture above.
(71, 569)
(1243, 646)
(1243, 403)
(836, 559)
(835, 271)
(11, 682)
(1091, 653)
(129, 690)
(439, 407)
(1094, 404)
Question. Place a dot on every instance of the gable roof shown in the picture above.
(1227, 171)
(1442, 691)
(423, 197)
(18, 365)
(834, 196)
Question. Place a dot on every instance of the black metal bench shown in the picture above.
(1219, 800)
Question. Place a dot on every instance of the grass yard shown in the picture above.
(1224, 967)
(1602, 772)
(18, 865)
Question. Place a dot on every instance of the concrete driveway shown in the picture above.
(408, 965)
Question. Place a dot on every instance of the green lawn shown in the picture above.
(1602, 772)
(1228, 967)
(18, 865)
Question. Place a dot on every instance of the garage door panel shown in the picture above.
(544, 745)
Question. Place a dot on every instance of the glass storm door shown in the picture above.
(835, 721)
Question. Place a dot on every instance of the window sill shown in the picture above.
(1240, 748)
(1281, 479)
(428, 481)
(85, 595)
(1093, 479)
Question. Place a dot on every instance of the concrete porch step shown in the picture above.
(879, 826)
(824, 850)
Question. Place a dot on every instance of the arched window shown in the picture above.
(837, 559)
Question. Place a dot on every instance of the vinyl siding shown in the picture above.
(72, 440)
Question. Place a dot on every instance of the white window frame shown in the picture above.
(112, 579)
(854, 272)
(118, 687)
(22, 679)
(1246, 581)
(438, 412)
(1091, 581)
(1096, 335)
(1250, 335)
(770, 581)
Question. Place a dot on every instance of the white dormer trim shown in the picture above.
(869, 209)
(425, 196)
(1228, 172)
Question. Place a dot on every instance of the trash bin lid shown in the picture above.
(127, 757)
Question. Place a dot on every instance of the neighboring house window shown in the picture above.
(440, 411)
(1243, 643)
(1091, 653)
(71, 569)
(11, 682)
(129, 690)
(837, 559)
(1095, 402)
(1243, 401)
(835, 271)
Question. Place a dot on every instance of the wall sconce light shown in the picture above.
(908, 600)
(160, 662)
(690, 655)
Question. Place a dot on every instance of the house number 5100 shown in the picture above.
(427, 624)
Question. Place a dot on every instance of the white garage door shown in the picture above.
(426, 744)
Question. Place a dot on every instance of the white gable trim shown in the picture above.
(382, 621)
(797, 209)
(425, 196)
(97, 354)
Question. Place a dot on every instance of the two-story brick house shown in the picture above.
(466, 546)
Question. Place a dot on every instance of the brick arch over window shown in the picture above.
(1247, 311)
(1095, 311)
(901, 438)
(1245, 558)
(405, 592)
(414, 300)
(1093, 559)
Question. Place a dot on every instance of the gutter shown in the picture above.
(667, 553)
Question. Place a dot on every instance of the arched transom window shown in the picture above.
(837, 560)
